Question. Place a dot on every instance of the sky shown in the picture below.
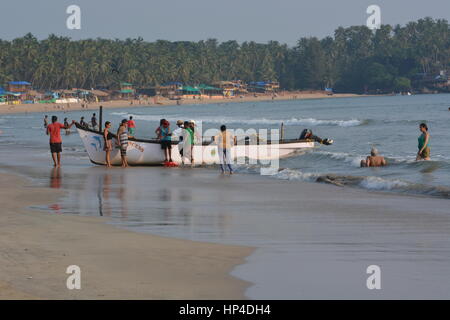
(192, 20)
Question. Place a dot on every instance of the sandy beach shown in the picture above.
(115, 264)
(160, 101)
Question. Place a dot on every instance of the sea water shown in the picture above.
(298, 256)
(355, 124)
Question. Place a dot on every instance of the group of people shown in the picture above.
(375, 160)
(186, 135)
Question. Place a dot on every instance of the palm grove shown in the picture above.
(356, 59)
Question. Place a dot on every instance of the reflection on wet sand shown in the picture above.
(55, 178)
(55, 183)
(141, 197)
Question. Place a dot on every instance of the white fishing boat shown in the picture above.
(143, 152)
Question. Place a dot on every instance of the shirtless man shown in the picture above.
(374, 160)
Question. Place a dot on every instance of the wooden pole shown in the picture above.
(282, 131)
(100, 119)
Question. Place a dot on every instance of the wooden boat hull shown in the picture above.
(149, 152)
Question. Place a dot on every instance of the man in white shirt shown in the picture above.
(186, 144)
(178, 134)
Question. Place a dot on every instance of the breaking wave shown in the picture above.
(292, 121)
(369, 183)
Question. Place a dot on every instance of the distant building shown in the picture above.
(210, 91)
(126, 90)
(169, 89)
(21, 87)
(263, 86)
(188, 92)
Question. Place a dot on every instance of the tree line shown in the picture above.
(355, 59)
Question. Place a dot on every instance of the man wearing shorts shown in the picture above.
(131, 127)
(54, 131)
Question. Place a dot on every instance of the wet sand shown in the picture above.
(314, 241)
(160, 101)
(37, 248)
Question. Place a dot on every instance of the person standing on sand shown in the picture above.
(163, 132)
(424, 143)
(374, 160)
(131, 127)
(122, 137)
(108, 136)
(54, 131)
(187, 136)
(225, 141)
(178, 134)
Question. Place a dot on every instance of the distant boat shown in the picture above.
(143, 152)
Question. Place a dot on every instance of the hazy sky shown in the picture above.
(262, 20)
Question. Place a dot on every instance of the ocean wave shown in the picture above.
(292, 121)
(369, 183)
(354, 160)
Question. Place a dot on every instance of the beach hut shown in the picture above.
(169, 89)
(210, 91)
(126, 90)
(99, 95)
(263, 86)
(188, 92)
(21, 87)
(2, 96)
(231, 88)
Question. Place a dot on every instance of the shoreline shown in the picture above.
(115, 263)
(54, 107)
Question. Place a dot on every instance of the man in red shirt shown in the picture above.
(131, 127)
(54, 130)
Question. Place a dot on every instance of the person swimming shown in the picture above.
(374, 160)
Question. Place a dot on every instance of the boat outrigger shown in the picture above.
(143, 152)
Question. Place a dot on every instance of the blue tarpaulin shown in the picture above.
(18, 83)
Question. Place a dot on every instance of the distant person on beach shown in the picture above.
(54, 131)
(94, 122)
(66, 124)
(225, 141)
(164, 135)
(45, 121)
(307, 134)
(122, 138)
(177, 134)
(83, 123)
(424, 143)
(108, 136)
(131, 127)
(374, 160)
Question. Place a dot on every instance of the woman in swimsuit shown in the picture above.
(122, 135)
(424, 143)
(108, 143)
